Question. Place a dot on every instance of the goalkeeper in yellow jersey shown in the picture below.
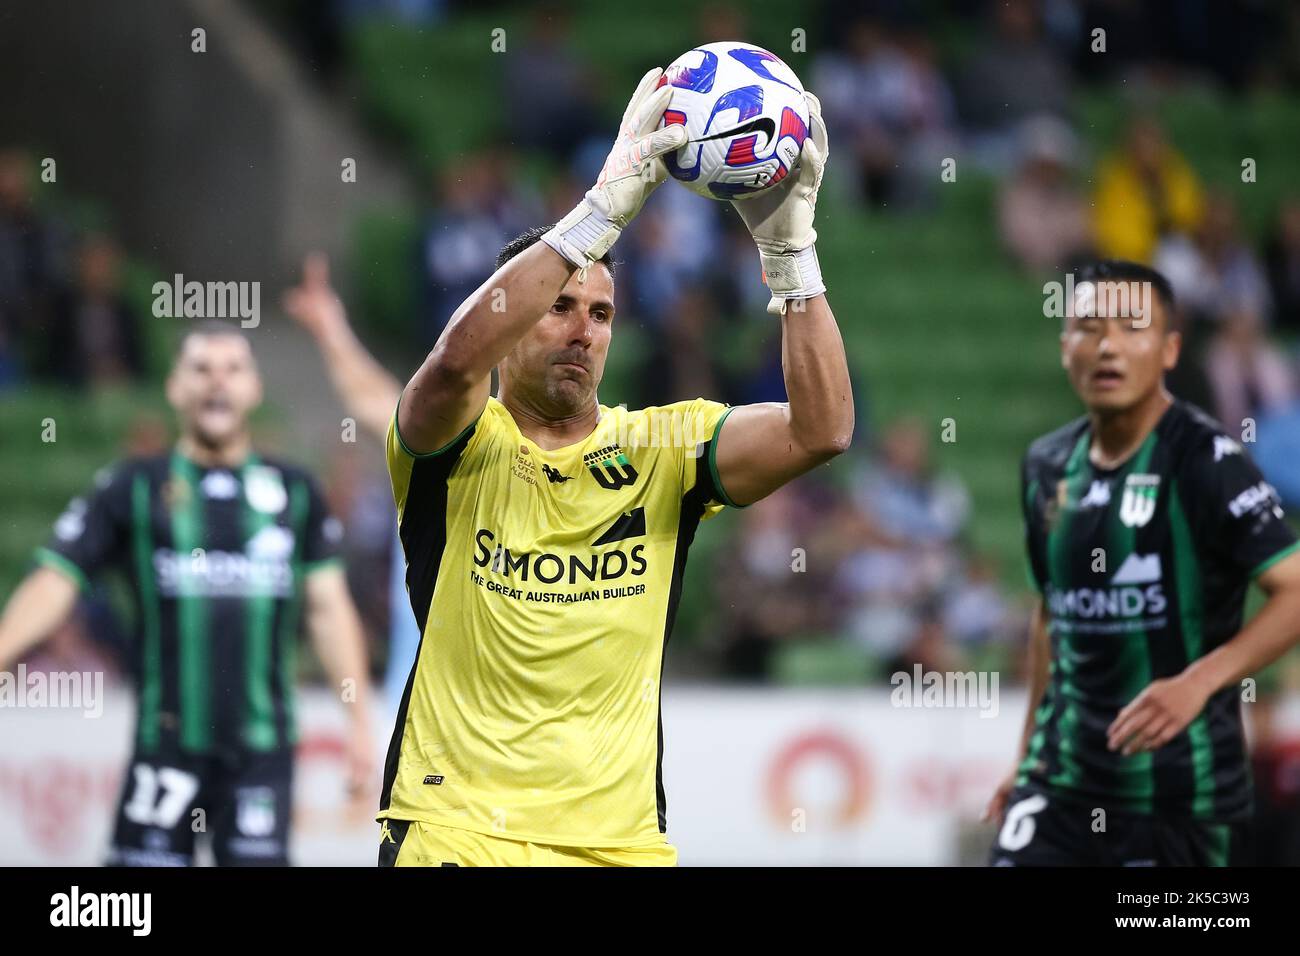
(546, 534)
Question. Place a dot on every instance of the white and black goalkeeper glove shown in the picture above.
(781, 221)
(632, 171)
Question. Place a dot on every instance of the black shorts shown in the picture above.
(239, 801)
(1043, 829)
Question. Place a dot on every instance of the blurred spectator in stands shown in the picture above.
(1154, 44)
(93, 336)
(746, 290)
(548, 88)
(927, 644)
(1012, 75)
(890, 108)
(559, 196)
(1283, 256)
(517, 202)
(1187, 380)
(677, 297)
(905, 497)
(763, 600)
(1213, 270)
(1277, 452)
(762, 378)
(1145, 191)
(1128, 34)
(480, 208)
(910, 520)
(924, 119)
(320, 30)
(1042, 214)
(692, 334)
(974, 610)
(1214, 274)
(661, 250)
(31, 263)
(1249, 375)
(363, 500)
(678, 360)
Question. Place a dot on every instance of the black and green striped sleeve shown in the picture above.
(91, 534)
(322, 545)
(1233, 508)
(1035, 561)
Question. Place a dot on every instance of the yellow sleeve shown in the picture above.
(702, 423)
(401, 460)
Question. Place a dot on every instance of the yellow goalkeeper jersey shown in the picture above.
(545, 584)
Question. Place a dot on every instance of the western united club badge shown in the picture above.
(1139, 502)
(264, 489)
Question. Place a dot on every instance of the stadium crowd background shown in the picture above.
(906, 552)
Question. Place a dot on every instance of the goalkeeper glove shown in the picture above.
(781, 221)
(633, 170)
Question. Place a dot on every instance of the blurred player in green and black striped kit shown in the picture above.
(1145, 523)
(225, 552)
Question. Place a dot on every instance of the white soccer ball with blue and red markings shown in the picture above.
(745, 116)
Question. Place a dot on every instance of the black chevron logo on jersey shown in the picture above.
(630, 524)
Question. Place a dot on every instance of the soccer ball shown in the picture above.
(745, 117)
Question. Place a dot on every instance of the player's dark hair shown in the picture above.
(531, 237)
(1123, 270)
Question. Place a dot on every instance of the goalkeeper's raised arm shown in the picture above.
(451, 388)
(549, 331)
(761, 447)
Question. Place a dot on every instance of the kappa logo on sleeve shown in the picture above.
(1224, 446)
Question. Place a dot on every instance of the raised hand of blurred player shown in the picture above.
(1157, 715)
(632, 171)
(313, 303)
(781, 220)
(367, 390)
